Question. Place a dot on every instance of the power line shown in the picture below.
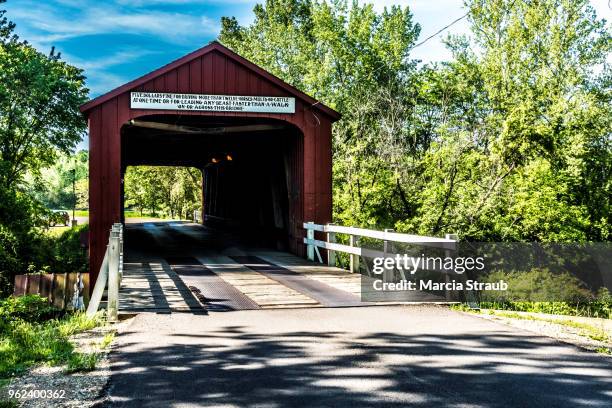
(440, 30)
(430, 37)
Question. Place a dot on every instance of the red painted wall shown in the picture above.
(213, 72)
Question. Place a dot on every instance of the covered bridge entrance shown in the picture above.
(263, 146)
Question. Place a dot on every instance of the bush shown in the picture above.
(541, 291)
(28, 308)
(68, 255)
(38, 252)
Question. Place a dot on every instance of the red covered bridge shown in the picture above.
(264, 147)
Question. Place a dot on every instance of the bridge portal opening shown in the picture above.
(201, 110)
(249, 169)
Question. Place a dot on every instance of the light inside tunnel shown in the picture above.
(251, 176)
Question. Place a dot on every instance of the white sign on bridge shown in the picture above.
(218, 103)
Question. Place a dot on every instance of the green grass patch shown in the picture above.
(80, 362)
(604, 350)
(8, 404)
(464, 307)
(24, 343)
(137, 214)
(585, 329)
(107, 340)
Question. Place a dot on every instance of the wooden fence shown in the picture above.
(59, 288)
(449, 242)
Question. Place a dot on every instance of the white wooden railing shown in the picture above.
(448, 243)
(197, 215)
(110, 275)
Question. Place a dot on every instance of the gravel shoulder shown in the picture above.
(590, 334)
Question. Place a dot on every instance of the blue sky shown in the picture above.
(115, 41)
(118, 40)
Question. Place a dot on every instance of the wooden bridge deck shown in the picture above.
(173, 269)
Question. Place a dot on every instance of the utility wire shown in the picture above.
(440, 31)
(430, 37)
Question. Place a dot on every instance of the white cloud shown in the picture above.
(174, 27)
(99, 79)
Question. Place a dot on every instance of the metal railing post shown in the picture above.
(113, 276)
(310, 235)
(331, 254)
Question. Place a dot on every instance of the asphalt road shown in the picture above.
(349, 357)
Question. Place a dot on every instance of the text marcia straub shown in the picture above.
(429, 285)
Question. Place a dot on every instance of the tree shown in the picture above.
(40, 97)
(39, 118)
(509, 140)
(173, 191)
(522, 127)
(356, 61)
(53, 185)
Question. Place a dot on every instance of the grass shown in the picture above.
(585, 329)
(136, 214)
(79, 362)
(5, 403)
(107, 340)
(24, 344)
(56, 231)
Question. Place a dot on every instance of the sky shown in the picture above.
(116, 41)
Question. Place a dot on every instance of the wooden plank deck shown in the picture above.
(151, 284)
(332, 276)
(267, 293)
(155, 287)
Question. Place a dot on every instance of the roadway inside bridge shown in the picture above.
(182, 266)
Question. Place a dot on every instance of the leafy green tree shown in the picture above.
(522, 127)
(53, 186)
(168, 191)
(509, 140)
(356, 61)
(40, 97)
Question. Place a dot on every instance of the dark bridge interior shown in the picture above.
(250, 167)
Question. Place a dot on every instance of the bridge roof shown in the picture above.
(212, 46)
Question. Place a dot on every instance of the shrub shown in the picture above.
(28, 308)
(541, 291)
(40, 253)
(68, 255)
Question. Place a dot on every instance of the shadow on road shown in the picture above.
(233, 367)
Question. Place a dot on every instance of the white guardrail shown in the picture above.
(312, 245)
(110, 275)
